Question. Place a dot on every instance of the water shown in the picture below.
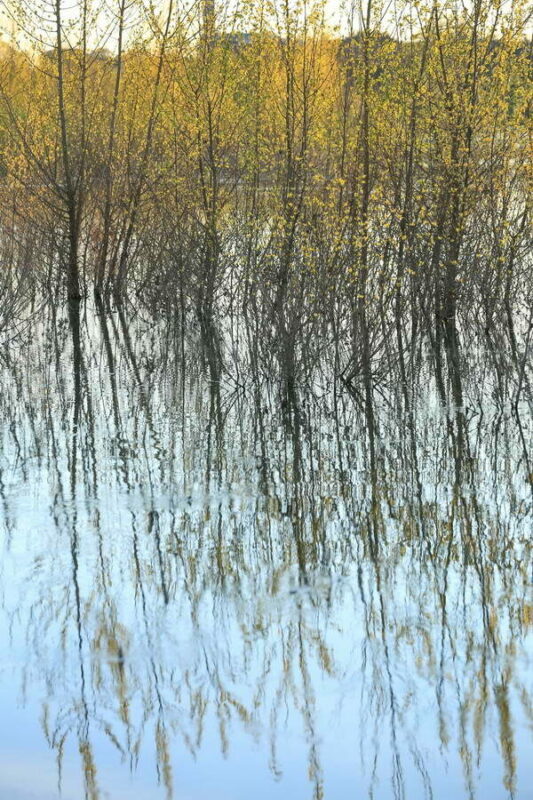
(209, 594)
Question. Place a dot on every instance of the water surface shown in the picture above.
(211, 591)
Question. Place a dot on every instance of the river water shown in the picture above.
(210, 592)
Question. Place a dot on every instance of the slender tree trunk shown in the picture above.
(73, 212)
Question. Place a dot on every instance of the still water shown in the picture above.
(210, 594)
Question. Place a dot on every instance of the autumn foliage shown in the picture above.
(272, 156)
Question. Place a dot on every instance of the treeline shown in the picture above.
(376, 175)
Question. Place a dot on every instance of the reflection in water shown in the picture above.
(208, 591)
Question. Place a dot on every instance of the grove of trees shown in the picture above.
(366, 170)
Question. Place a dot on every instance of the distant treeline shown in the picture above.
(376, 177)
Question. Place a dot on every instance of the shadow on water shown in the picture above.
(219, 579)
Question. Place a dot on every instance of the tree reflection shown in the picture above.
(213, 548)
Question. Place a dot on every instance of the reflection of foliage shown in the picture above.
(197, 565)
